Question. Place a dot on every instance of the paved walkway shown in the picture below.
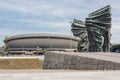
(58, 75)
(114, 57)
(22, 57)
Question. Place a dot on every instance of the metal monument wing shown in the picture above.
(100, 18)
(98, 26)
(79, 30)
(77, 27)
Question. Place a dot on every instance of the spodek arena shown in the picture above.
(32, 42)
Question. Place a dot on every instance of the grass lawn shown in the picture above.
(21, 63)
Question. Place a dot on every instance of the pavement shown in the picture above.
(108, 56)
(58, 75)
(22, 57)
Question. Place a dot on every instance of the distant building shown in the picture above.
(1, 50)
(40, 41)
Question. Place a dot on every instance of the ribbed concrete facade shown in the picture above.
(42, 41)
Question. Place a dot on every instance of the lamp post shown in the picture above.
(49, 43)
(70, 36)
(71, 39)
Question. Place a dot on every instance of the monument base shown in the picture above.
(82, 61)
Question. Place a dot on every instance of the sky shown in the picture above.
(51, 16)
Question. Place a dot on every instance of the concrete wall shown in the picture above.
(82, 61)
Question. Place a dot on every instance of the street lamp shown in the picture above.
(70, 36)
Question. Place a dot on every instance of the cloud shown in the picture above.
(43, 8)
(51, 16)
(39, 23)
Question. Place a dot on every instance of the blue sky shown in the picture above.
(51, 16)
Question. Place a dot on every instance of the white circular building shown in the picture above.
(41, 40)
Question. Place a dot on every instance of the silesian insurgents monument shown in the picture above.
(94, 37)
(95, 33)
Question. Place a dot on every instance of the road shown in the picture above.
(58, 75)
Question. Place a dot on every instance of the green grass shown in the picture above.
(21, 64)
(115, 44)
